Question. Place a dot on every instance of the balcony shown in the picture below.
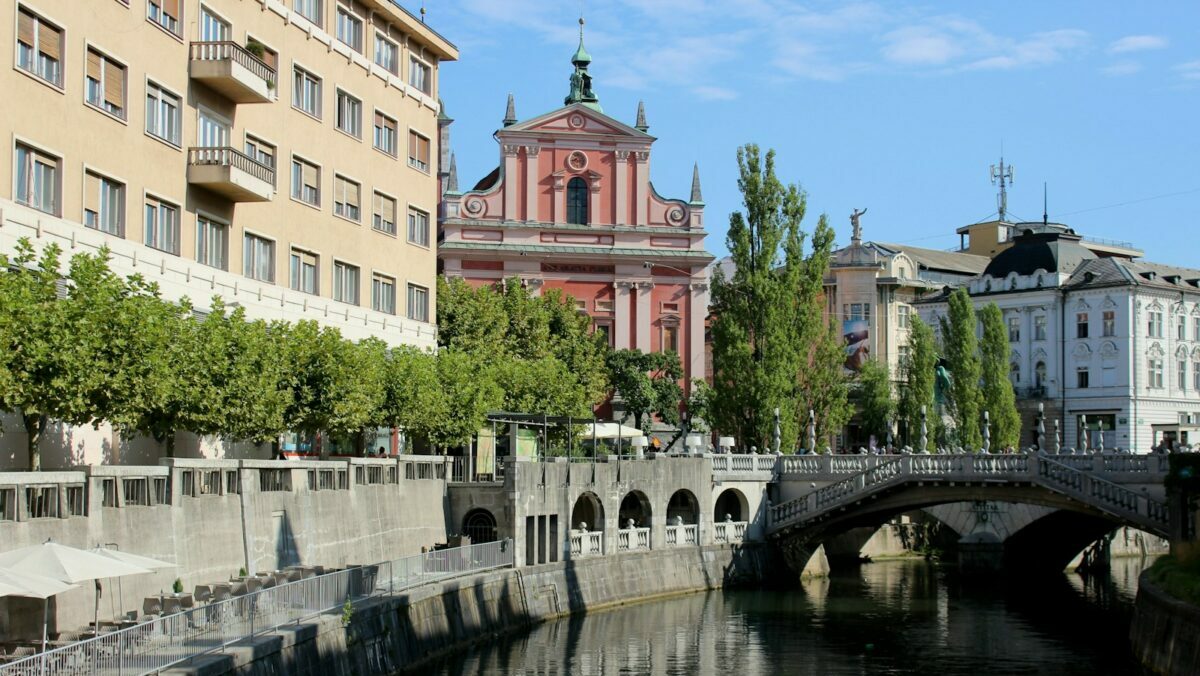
(230, 173)
(231, 70)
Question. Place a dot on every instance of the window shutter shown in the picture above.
(352, 194)
(25, 27)
(378, 207)
(379, 120)
(271, 59)
(114, 84)
(91, 193)
(49, 41)
(423, 149)
(310, 175)
(93, 65)
(171, 8)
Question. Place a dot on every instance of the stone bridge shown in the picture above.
(820, 497)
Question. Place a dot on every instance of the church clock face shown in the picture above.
(577, 161)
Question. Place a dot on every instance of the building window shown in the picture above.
(902, 312)
(387, 54)
(1110, 323)
(346, 198)
(1196, 329)
(258, 258)
(383, 294)
(162, 225)
(1154, 327)
(260, 151)
(105, 83)
(1014, 329)
(103, 204)
(857, 311)
(37, 179)
(1039, 374)
(1182, 374)
(1181, 329)
(418, 227)
(1014, 374)
(581, 305)
(418, 303)
(349, 114)
(306, 92)
(418, 151)
(345, 283)
(165, 13)
(162, 114)
(212, 242)
(306, 182)
(349, 29)
(1196, 375)
(1081, 378)
(604, 305)
(303, 271)
(212, 131)
(670, 339)
(577, 201)
(419, 76)
(605, 330)
(1081, 325)
(384, 214)
(385, 133)
(39, 47)
(309, 9)
(212, 27)
(1156, 373)
(1039, 327)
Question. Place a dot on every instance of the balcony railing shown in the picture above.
(231, 157)
(586, 543)
(233, 70)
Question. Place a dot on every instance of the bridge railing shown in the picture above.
(633, 538)
(682, 535)
(729, 531)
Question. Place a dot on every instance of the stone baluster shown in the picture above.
(924, 433)
(1057, 439)
(987, 433)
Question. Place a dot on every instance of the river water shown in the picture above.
(891, 617)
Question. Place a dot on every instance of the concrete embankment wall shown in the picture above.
(1165, 632)
(405, 631)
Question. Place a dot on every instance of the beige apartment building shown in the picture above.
(279, 154)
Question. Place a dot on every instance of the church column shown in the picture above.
(695, 337)
(641, 184)
(559, 200)
(621, 190)
(642, 333)
(510, 181)
(621, 315)
(531, 183)
(594, 200)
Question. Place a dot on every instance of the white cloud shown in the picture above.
(920, 46)
(1137, 43)
(709, 93)
(1189, 70)
(1038, 50)
(1122, 68)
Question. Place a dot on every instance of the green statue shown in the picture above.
(941, 382)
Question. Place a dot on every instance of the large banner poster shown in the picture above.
(485, 451)
(857, 334)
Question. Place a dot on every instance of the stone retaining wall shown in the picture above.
(1165, 632)
(406, 631)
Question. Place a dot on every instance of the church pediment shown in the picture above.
(576, 119)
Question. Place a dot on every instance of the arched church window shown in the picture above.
(577, 201)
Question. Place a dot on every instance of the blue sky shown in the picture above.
(899, 108)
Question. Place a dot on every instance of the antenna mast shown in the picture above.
(1004, 175)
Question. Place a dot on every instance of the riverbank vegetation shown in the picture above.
(1178, 573)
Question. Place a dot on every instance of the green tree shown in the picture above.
(998, 397)
(770, 339)
(875, 400)
(917, 390)
(962, 355)
(648, 384)
(469, 391)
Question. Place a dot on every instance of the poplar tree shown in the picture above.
(875, 399)
(962, 354)
(917, 390)
(998, 397)
(771, 344)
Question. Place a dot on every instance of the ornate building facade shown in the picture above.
(571, 206)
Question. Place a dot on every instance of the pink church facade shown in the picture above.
(571, 206)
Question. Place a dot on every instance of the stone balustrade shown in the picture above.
(683, 535)
(586, 543)
(630, 539)
(729, 531)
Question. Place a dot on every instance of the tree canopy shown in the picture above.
(999, 400)
(962, 356)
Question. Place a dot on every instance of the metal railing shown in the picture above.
(232, 51)
(171, 639)
(230, 157)
(464, 470)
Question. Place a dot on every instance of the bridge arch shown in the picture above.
(635, 506)
(1051, 542)
(733, 503)
(683, 507)
(588, 510)
(480, 525)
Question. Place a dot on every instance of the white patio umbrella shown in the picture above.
(67, 564)
(13, 583)
(133, 559)
(610, 430)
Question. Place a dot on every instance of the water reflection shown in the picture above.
(897, 617)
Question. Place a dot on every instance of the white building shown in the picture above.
(1111, 339)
